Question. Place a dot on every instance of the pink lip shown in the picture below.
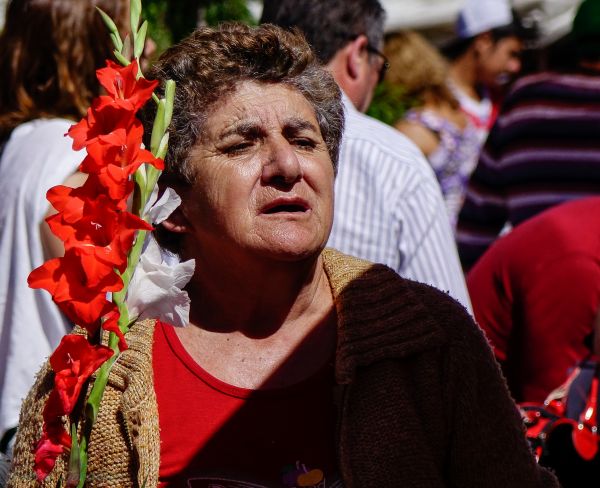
(287, 205)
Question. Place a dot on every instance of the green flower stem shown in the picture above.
(73, 476)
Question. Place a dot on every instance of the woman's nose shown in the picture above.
(282, 164)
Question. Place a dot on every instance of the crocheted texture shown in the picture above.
(125, 442)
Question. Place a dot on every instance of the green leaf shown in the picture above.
(116, 40)
(140, 176)
(163, 146)
(107, 20)
(134, 14)
(169, 99)
(140, 39)
(159, 128)
(121, 59)
(153, 175)
(112, 28)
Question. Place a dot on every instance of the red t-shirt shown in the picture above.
(220, 436)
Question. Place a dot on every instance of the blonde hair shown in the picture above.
(418, 67)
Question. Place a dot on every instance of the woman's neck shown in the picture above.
(255, 300)
(268, 329)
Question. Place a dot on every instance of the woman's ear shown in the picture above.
(176, 222)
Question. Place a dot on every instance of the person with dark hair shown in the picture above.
(544, 148)
(485, 55)
(300, 366)
(389, 207)
(49, 53)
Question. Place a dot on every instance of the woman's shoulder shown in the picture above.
(345, 271)
(373, 293)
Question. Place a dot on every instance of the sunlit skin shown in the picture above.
(264, 179)
(356, 71)
(375, 63)
(255, 219)
(487, 63)
(501, 61)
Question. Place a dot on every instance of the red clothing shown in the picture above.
(215, 434)
(536, 292)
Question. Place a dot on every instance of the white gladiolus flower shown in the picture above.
(155, 291)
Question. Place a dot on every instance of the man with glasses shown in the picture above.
(388, 205)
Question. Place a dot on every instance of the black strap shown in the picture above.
(6, 438)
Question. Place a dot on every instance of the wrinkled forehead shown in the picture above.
(252, 105)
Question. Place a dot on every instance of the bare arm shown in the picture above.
(426, 140)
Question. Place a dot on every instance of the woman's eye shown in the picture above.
(237, 148)
(305, 143)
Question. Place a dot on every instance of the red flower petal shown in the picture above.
(66, 280)
(104, 121)
(46, 453)
(74, 361)
(111, 324)
(120, 82)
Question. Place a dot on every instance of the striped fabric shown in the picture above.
(389, 208)
(543, 150)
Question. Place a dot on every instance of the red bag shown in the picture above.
(563, 431)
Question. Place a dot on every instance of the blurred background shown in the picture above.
(171, 20)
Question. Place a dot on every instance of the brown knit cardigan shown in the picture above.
(421, 402)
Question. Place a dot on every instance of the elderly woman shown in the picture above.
(301, 367)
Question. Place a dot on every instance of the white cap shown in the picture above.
(478, 16)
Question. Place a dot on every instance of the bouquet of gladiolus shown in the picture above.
(111, 273)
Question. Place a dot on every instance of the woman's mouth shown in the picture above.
(285, 205)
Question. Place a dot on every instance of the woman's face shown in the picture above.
(263, 178)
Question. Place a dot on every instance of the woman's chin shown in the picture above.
(291, 251)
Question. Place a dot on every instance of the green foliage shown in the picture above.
(390, 102)
(171, 20)
(155, 11)
(219, 11)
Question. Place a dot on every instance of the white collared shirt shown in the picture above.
(389, 207)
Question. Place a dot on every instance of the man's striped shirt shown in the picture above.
(389, 207)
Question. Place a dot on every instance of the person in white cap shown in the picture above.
(485, 56)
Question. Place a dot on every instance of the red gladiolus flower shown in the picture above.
(122, 85)
(53, 411)
(116, 161)
(55, 431)
(68, 283)
(102, 233)
(74, 361)
(71, 202)
(111, 324)
(47, 451)
(104, 121)
(55, 439)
